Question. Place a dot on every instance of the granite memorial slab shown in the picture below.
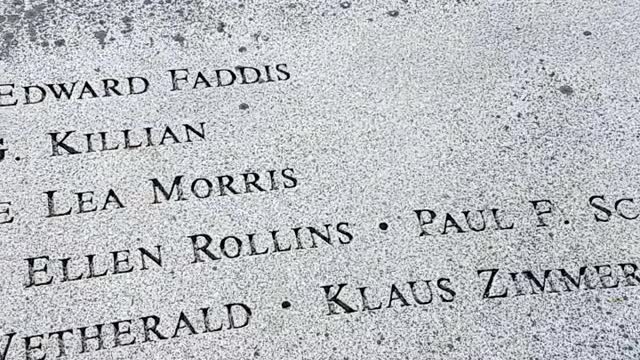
(447, 179)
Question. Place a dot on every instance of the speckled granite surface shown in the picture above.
(319, 180)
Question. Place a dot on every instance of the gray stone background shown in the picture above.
(392, 106)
